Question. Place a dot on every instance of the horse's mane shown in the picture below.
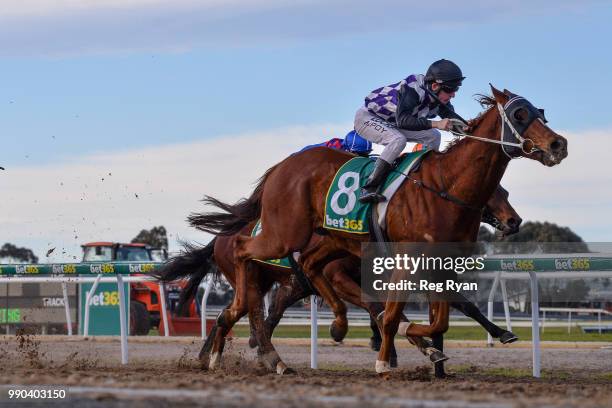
(486, 101)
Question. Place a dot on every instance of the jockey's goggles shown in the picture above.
(449, 89)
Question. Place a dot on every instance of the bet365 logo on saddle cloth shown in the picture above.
(343, 211)
(283, 263)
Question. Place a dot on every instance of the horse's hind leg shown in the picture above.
(263, 246)
(229, 316)
(266, 352)
(284, 297)
(210, 354)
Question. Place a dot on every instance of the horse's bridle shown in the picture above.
(511, 126)
(515, 128)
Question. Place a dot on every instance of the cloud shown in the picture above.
(113, 196)
(74, 27)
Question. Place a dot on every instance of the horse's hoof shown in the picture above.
(375, 343)
(385, 376)
(337, 332)
(508, 337)
(282, 369)
(252, 342)
(437, 357)
(382, 367)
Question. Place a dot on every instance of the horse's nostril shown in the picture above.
(513, 222)
(556, 146)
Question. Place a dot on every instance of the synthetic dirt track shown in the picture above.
(165, 372)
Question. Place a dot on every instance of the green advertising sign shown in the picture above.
(103, 309)
(557, 263)
(75, 269)
(10, 315)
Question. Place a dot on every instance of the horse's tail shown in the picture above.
(194, 263)
(235, 216)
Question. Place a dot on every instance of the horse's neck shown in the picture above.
(473, 169)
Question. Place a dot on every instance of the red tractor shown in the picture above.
(145, 305)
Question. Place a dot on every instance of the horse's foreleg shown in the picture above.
(339, 326)
(438, 338)
(349, 291)
(470, 310)
(376, 339)
(283, 300)
(391, 320)
(313, 260)
(439, 324)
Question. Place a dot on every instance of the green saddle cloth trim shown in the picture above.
(282, 263)
(343, 211)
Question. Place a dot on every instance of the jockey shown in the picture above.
(401, 112)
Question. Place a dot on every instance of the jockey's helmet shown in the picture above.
(444, 72)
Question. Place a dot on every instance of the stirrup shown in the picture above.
(371, 197)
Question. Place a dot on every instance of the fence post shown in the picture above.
(506, 304)
(164, 310)
(599, 321)
(122, 320)
(67, 308)
(535, 324)
(207, 290)
(314, 332)
(490, 306)
(88, 296)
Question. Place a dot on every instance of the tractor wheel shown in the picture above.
(140, 320)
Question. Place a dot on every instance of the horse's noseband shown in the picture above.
(517, 115)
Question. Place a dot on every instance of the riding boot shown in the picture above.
(370, 191)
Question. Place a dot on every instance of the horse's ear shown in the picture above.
(499, 96)
(509, 94)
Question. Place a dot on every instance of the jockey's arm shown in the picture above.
(408, 101)
(446, 111)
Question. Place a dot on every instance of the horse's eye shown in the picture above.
(521, 114)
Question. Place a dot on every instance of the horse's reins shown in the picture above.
(443, 193)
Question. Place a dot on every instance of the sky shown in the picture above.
(119, 115)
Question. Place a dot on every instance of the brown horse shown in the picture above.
(443, 205)
(196, 263)
(344, 276)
